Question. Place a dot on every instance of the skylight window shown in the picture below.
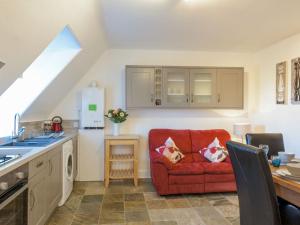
(47, 66)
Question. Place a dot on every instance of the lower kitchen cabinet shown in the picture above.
(54, 179)
(44, 186)
(37, 195)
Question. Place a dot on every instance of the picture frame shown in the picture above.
(281, 83)
(295, 81)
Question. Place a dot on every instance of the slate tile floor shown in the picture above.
(122, 203)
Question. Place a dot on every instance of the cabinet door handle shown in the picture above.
(32, 200)
(219, 98)
(39, 164)
(187, 98)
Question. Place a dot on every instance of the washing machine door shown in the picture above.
(69, 167)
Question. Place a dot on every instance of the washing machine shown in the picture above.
(67, 173)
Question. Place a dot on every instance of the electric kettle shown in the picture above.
(57, 124)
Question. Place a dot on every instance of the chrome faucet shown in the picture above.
(18, 133)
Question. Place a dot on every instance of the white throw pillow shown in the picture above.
(170, 151)
(214, 152)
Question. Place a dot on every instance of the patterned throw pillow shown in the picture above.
(170, 151)
(214, 152)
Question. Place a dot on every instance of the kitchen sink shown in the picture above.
(26, 144)
(14, 151)
(32, 142)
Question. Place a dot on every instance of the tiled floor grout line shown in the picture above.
(133, 213)
(101, 208)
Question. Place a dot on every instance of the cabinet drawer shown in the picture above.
(37, 165)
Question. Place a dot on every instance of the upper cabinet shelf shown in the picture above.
(184, 87)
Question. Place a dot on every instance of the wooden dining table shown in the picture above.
(287, 189)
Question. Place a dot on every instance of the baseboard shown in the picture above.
(144, 174)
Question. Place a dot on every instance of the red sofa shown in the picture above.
(193, 174)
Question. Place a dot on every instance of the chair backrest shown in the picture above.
(273, 140)
(256, 192)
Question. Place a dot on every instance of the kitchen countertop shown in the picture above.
(34, 153)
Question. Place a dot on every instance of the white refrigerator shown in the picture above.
(91, 135)
(91, 155)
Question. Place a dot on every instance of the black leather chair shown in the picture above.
(257, 198)
(273, 140)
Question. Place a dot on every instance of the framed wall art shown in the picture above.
(295, 95)
(281, 83)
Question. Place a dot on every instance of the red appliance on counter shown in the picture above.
(57, 124)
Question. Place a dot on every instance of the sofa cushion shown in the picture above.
(156, 157)
(186, 168)
(220, 187)
(187, 179)
(188, 158)
(219, 178)
(197, 157)
(186, 188)
(157, 137)
(202, 138)
(217, 168)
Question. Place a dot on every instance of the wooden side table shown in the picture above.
(130, 140)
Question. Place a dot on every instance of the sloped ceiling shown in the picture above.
(27, 27)
(205, 25)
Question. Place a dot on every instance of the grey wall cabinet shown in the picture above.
(203, 88)
(37, 194)
(140, 87)
(176, 87)
(54, 179)
(184, 87)
(230, 88)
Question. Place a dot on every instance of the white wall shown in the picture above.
(109, 71)
(277, 118)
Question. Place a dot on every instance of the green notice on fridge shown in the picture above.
(92, 107)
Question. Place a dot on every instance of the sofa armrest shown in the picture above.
(155, 157)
